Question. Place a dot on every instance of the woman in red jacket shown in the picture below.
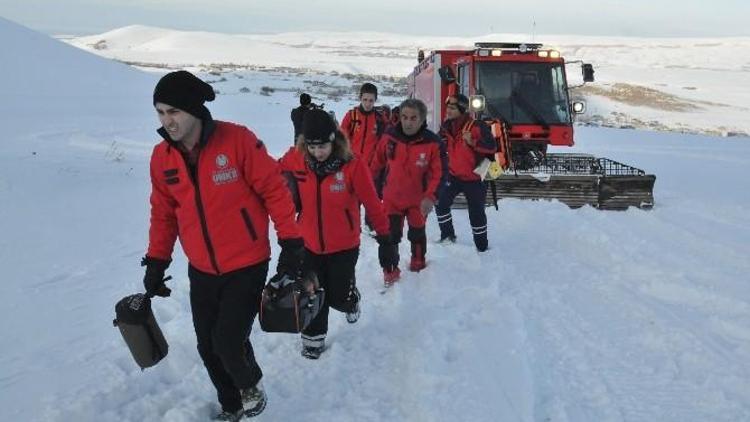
(328, 184)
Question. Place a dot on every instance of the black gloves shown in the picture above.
(291, 257)
(154, 279)
(387, 252)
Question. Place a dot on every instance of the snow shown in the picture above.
(710, 74)
(572, 315)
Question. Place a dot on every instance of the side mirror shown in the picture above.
(477, 103)
(588, 72)
(579, 107)
(446, 74)
(420, 56)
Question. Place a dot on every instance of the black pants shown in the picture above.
(336, 275)
(224, 307)
(476, 194)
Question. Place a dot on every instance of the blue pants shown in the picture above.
(476, 193)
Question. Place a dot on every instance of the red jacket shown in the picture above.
(412, 164)
(462, 157)
(329, 215)
(363, 129)
(221, 217)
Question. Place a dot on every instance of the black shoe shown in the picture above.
(446, 240)
(228, 416)
(312, 352)
(254, 400)
(353, 316)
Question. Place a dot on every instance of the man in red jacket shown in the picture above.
(468, 142)
(411, 156)
(214, 186)
(364, 125)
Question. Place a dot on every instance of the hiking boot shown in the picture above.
(353, 316)
(228, 416)
(391, 276)
(254, 400)
(447, 240)
(417, 264)
(311, 352)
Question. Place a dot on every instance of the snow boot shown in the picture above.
(391, 276)
(447, 240)
(417, 264)
(228, 416)
(418, 251)
(353, 316)
(254, 400)
(312, 352)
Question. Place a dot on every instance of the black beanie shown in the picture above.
(318, 127)
(462, 103)
(305, 99)
(185, 91)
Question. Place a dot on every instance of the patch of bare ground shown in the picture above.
(625, 121)
(641, 96)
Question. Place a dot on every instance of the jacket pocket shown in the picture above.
(349, 219)
(249, 224)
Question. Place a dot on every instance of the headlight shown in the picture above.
(484, 52)
(554, 54)
(543, 53)
(579, 107)
(477, 103)
(497, 53)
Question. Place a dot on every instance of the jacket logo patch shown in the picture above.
(339, 186)
(221, 161)
(222, 177)
(224, 174)
(422, 160)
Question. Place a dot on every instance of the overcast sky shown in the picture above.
(647, 18)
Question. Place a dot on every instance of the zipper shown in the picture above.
(320, 213)
(364, 137)
(249, 224)
(201, 212)
(349, 218)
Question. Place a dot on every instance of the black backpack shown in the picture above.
(134, 318)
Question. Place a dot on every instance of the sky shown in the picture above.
(644, 18)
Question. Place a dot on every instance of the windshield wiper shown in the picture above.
(530, 109)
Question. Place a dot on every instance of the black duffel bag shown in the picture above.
(135, 319)
(287, 307)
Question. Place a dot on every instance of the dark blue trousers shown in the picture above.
(476, 193)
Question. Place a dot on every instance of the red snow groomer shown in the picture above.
(521, 91)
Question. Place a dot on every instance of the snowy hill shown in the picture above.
(573, 315)
(680, 84)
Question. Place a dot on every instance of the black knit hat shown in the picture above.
(305, 99)
(185, 91)
(318, 127)
(462, 103)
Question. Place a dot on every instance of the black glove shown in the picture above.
(387, 252)
(291, 257)
(154, 279)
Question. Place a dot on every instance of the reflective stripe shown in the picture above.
(479, 229)
(313, 341)
(444, 218)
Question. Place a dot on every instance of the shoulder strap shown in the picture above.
(353, 121)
